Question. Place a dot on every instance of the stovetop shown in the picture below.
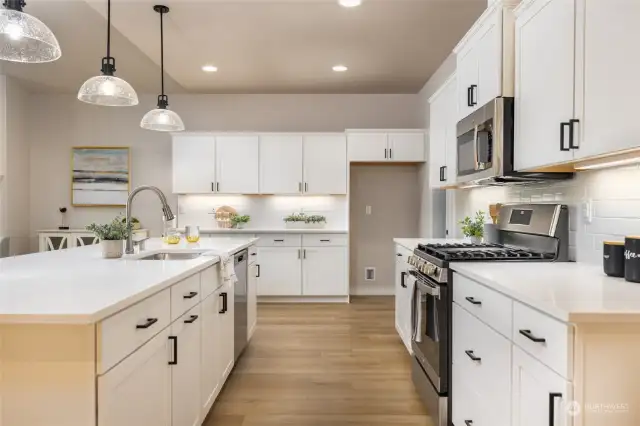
(478, 252)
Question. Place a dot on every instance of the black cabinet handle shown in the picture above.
(473, 357)
(390, 154)
(213, 187)
(325, 241)
(190, 295)
(399, 254)
(473, 91)
(254, 254)
(552, 407)
(468, 422)
(306, 187)
(562, 126)
(572, 145)
(441, 172)
(224, 303)
(149, 323)
(444, 173)
(174, 339)
(385, 153)
(278, 241)
(530, 336)
(402, 276)
(258, 266)
(473, 301)
(217, 186)
(191, 319)
(469, 97)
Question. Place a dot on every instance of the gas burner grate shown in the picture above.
(479, 252)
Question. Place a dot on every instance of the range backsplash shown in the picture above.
(614, 195)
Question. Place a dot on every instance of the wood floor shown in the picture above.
(317, 365)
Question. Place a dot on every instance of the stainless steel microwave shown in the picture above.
(485, 145)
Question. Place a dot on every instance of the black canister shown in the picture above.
(632, 259)
(613, 258)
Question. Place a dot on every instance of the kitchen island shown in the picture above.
(90, 341)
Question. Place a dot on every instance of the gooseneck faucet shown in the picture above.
(168, 214)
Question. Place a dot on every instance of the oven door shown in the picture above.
(430, 330)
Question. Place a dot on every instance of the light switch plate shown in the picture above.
(367, 210)
(587, 211)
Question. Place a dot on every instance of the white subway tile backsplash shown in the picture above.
(615, 194)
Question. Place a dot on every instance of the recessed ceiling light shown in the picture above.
(209, 68)
(350, 3)
(340, 68)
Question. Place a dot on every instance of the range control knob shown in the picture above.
(436, 271)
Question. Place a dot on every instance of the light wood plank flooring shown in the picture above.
(317, 365)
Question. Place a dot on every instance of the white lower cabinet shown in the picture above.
(279, 271)
(252, 299)
(210, 330)
(185, 363)
(403, 295)
(226, 332)
(324, 271)
(145, 373)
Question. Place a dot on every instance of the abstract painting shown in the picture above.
(100, 176)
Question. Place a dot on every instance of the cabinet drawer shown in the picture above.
(546, 339)
(489, 373)
(210, 280)
(123, 333)
(490, 306)
(321, 240)
(253, 254)
(185, 295)
(280, 240)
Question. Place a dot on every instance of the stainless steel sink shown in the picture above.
(171, 256)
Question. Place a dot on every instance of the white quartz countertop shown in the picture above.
(78, 286)
(269, 231)
(411, 243)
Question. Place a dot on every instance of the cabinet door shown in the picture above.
(437, 139)
(237, 164)
(211, 355)
(367, 147)
(185, 371)
(252, 300)
(450, 133)
(226, 335)
(544, 91)
(489, 54)
(325, 164)
(280, 164)
(611, 68)
(194, 161)
(537, 391)
(137, 392)
(467, 72)
(324, 271)
(406, 147)
(280, 271)
(402, 305)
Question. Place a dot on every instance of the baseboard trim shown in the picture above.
(303, 299)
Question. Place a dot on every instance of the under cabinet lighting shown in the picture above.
(607, 162)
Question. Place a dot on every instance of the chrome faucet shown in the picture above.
(166, 210)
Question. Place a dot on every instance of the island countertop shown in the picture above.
(78, 286)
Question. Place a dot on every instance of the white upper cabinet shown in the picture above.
(544, 100)
(379, 146)
(194, 160)
(485, 59)
(406, 147)
(325, 164)
(237, 164)
(367, 147)
(281, 164)
(443, 151)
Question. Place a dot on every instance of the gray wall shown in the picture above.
(58, 122)
(393, 193)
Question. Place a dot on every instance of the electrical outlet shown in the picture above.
(369, 274)
(587, 211)
(367, 210)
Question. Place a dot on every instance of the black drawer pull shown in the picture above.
(278, 241)
(325, 241)
(258, 273)
(224, 303)
(399, 254)
(191, 319)
(473, 357)
(190, 295)
(174, 339)
(254, 254)
(149, 323)
(468, 422)
(552, 407)
(530, 336)
(473, 301)
(402, 277)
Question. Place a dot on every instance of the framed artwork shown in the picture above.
(100, 176)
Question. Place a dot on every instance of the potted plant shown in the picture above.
(295, 220)
(112, 236)
(473, 229)
(316, 221)
(239, 221)
(135, 223)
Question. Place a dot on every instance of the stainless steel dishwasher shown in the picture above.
(240, 263)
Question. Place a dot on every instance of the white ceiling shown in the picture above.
(259, 46)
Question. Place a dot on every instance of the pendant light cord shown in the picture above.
(108, 28)
(161, 54)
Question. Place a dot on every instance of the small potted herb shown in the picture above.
(295, 220)
(239, 221)
(316, 221)
(112, 236)
(473, 229)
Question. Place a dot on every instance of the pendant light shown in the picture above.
(24, 38)
(162, 119)
(107, 89)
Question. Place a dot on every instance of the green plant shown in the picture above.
(296, 217)
(316, 219)
(236, 219)
(116, 230)
(133, 220)
(475, 227)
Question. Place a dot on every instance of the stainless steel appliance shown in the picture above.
(240, 262)
(526, 232)
(486, 148)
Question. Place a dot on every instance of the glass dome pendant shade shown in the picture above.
(162, 119)
(107, 89)
(24, 38)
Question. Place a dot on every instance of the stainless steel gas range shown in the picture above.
(527, 233)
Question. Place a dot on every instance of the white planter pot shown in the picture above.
(240, 225)
(112, 249)
(304, 225)
(474, 240)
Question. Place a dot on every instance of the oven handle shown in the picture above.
(475, 148)
(424, 286)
